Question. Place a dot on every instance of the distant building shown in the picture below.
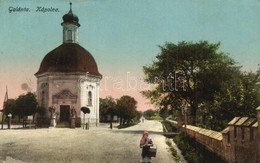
(68, 78)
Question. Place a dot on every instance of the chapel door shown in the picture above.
(64, 113)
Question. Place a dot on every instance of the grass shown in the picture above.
(173, 151)
(188, 148)
(192, 151)
(156, 117)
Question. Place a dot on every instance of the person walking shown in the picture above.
(142, 119)
(145, 144)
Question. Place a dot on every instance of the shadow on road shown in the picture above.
(167, 134)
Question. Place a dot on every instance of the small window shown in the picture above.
(89, 98)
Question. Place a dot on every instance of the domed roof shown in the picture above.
(70, 18)
(69, 57)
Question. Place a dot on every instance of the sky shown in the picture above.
(123, 36)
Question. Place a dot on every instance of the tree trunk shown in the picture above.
(111, 120)
(120, 121)
(23, 123)
(3, 119)
(193, 113)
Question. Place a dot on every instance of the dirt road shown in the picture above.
(99, 144)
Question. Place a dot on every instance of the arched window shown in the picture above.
(89, 98)
(69, 35)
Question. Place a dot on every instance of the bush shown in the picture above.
(155, 117)
(133, 122)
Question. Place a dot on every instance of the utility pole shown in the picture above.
(184, 109)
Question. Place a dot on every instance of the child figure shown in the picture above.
(145, 144)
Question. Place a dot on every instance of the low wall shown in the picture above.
(237, 143)
(212, 140)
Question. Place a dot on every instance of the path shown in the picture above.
(134, 134)
(96, 145)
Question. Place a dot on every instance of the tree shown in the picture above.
(108, 107)
(164, 113)
(148, 114)
(85, 110)
(10, 105)
(41, 110)
(126, 109)
(139, 114)
(188, 72)
(26, 105)
(237, 98)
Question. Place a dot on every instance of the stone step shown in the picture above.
(62, 125)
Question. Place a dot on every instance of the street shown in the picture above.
(99, 144)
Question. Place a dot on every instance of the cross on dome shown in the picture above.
(70, 7)
(70, 17)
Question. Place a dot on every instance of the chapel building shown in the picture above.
(68, 79)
